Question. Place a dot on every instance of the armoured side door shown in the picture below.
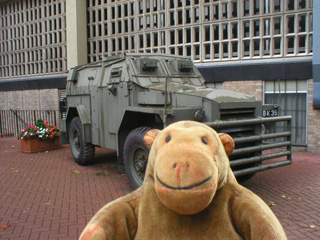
(115, 100)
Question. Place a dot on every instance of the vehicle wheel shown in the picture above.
(83, 153)
(135, 157)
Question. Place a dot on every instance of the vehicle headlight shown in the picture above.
(199, 115)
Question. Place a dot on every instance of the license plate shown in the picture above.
(270, 113)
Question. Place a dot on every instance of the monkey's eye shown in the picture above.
(168, 138)
(204, 140)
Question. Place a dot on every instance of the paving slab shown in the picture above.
(48, 196)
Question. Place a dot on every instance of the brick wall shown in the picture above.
(3, 102)
(253, 88)
(49, 99)
(313, 126)
(15, 100)
(30, 100)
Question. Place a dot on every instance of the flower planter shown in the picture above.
(33, 145)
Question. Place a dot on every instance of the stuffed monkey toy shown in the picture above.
(189, 192)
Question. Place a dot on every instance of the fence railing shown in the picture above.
(13, 121)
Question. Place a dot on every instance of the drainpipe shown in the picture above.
(316, 54)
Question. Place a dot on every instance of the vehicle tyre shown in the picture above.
(83, 153)
(135, 156)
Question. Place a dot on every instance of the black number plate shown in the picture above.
(270, 113)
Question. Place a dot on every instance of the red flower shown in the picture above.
(46, 123)
(51, 136)
(29, 126)
(34, 130)
(26, 129)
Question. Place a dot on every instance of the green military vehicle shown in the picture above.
(112, 103)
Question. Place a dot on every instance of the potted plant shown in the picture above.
(40, 137)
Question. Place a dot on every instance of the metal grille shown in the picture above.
(237, 113)
(251, 154)
(33, 38)
(204, 30)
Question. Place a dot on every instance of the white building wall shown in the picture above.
(207, 31)
(32, 38)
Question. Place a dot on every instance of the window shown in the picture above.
(291, 96)
(211, 30)
(24, 30)
(62, 103)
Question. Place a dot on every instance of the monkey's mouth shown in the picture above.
(183, 188)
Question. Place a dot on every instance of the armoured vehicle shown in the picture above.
(112, 103)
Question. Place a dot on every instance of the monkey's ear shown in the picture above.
(150, 136)
(227, 142)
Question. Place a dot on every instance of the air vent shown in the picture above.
(237, 113)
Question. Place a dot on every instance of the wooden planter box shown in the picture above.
(33, 145)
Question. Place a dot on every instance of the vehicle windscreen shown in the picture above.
(158, 70)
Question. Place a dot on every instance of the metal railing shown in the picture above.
(13, 121)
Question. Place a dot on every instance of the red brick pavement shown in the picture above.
(48, 196)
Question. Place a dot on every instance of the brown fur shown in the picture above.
(189, 192)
